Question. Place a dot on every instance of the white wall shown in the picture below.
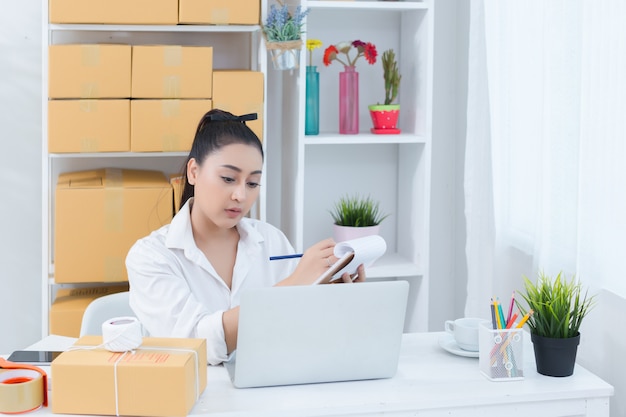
(20, 173)
(448, 275)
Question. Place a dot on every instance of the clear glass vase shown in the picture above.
(349, 101)
(312, 107)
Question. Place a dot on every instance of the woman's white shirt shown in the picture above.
(176, 292)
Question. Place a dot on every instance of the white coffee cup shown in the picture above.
(465, 332)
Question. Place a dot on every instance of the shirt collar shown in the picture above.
(180, 233)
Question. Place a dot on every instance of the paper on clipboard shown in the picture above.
(366, 251)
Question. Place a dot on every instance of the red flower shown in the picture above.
(329, 54)
(370, 53)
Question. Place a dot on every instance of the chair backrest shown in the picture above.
(102, 309)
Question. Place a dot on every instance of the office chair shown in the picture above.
(102, 309)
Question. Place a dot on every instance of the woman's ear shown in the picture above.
(192, 171)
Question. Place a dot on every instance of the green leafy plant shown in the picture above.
(558, 305)
(357, 211)
(392, 76)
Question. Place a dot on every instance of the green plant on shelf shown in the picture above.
(357, 211)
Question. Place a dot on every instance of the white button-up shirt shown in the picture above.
(176, 292)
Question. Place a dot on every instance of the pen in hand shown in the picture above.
(295, 255)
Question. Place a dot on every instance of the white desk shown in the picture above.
(429, 382)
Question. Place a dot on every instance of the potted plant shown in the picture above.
(385, 116)
(283, 35)
(556, 308)
(356, 216)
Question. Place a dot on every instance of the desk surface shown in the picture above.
(429, 380)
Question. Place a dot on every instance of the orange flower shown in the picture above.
(329, 54)
(367, 50)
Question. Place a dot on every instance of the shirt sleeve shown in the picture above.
(165, 305)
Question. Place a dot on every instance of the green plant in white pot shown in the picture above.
(356, 216)
(558, 307)
(385, 116)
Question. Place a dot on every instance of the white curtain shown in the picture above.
(545, 166)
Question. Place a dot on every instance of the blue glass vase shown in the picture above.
(312, 107)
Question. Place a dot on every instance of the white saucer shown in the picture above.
(447, 342)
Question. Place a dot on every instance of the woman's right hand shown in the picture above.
(314, 262)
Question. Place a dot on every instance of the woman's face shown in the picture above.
(226, 184)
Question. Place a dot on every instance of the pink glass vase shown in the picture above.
(349, 101)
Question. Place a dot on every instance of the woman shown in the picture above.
(187, 277)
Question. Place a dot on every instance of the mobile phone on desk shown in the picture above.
(329, 275)
(33, 357)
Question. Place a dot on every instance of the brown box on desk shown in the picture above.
(220, 12)
(66, 312)
(162, 71)
(89, 71)
(165, 125)
(163, 378)
(138, 12)
(240, 92)
(88, 126)
(99, 215)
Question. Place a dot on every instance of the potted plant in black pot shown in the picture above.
(558, 307)
(356, 216)
(385, 116)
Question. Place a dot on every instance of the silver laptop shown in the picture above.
(319, 333)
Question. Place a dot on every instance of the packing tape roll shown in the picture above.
(21, 390)
(122, 334)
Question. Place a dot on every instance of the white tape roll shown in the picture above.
(121, 334)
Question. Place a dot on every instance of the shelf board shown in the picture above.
(154, 28)
(367, 5)
(118, 155)
(361, 138)
(393, 265)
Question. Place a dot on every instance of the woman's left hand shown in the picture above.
(359, 276)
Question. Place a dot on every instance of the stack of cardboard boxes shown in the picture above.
(156, 12)
(129, 98)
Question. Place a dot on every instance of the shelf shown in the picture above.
(361, 139)
(365, 5)
(118, 155)
(393, 265)
(154, 28)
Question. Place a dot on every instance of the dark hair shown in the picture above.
(216, 129)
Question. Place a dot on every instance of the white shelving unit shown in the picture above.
(394, 169)
(234, 47)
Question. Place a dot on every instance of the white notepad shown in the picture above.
(352, 253)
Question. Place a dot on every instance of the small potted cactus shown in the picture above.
(385, 116)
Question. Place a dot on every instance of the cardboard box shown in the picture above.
(160, 71)
(99, 215)
(66, 312)
(139, 12)
(89, 71)
(162, 378)
(165, 125)
(220, 12)
(88, 126)
(240, 92)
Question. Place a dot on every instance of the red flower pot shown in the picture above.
(385, 118)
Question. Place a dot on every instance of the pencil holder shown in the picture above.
(500, 353)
